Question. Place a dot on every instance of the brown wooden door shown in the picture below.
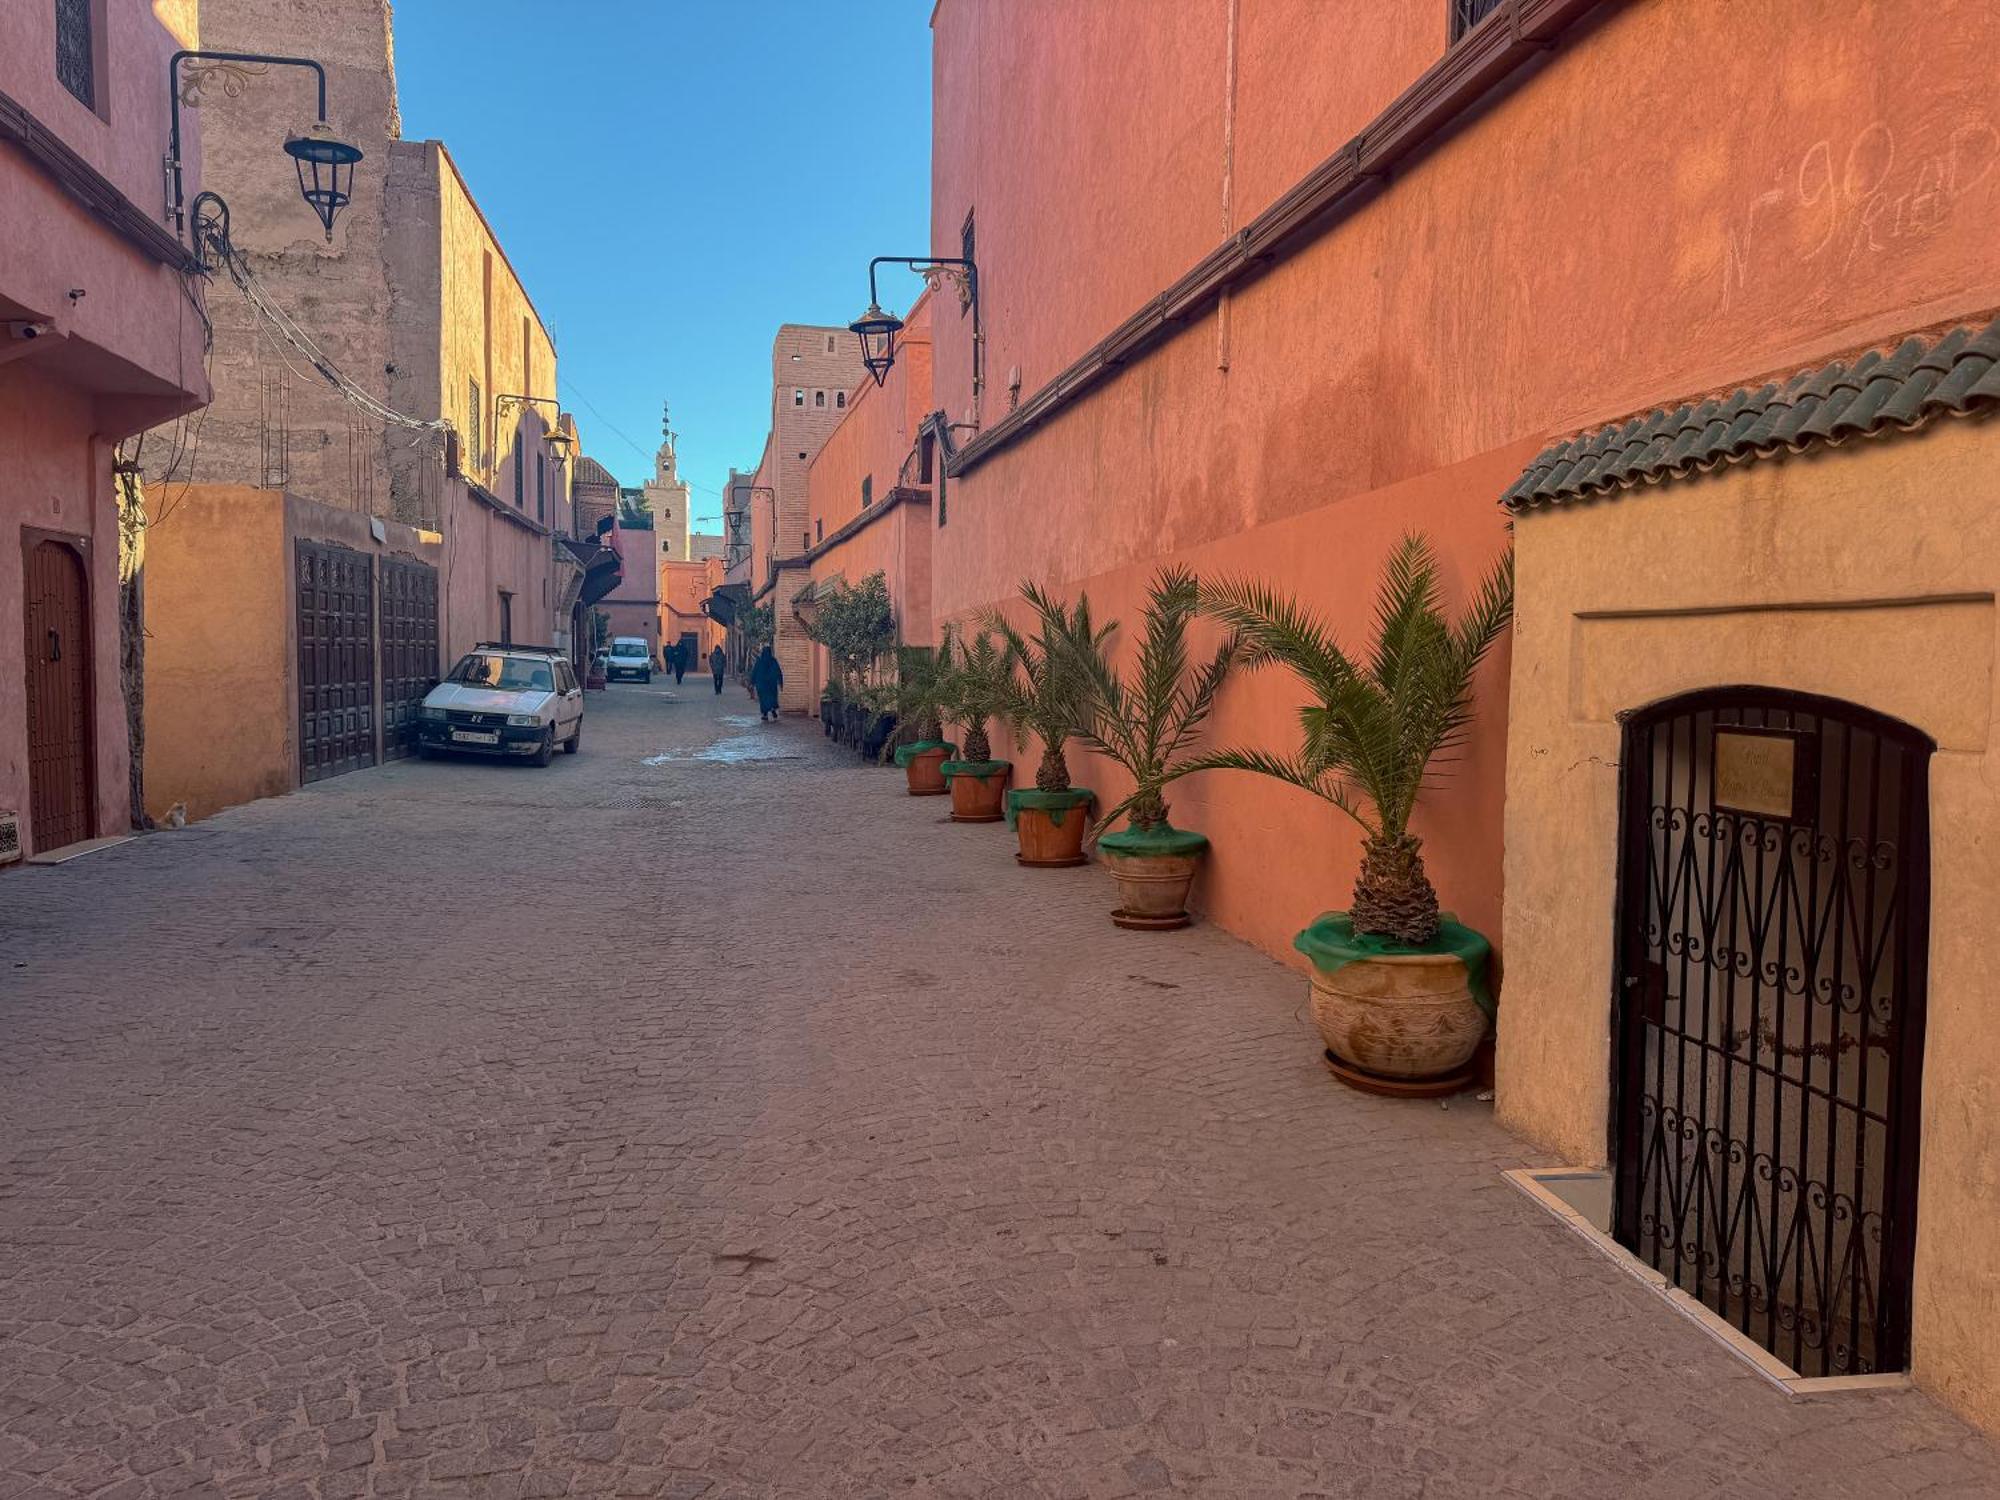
(409, 650)
(61, 780)
(336, 660)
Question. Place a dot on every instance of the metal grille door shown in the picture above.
(1772, 953)
(409, 650)
(336, 661)
(61, 792)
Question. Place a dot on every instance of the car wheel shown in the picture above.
(547, 752)
(575, 740)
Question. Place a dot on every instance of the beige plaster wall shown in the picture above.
(1866, 573)
(221, 720)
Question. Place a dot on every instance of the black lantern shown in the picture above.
(325, 162)
(329, 184)
(877, 331)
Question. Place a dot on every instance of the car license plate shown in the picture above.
(474, 737)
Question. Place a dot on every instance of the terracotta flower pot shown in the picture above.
(978, 789)
(1050, 825)
(1405, 1020)
(920, 767)
(1154, 868)
(1410, 1016)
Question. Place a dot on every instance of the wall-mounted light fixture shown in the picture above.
(324, 162)
(557, 440)
(877, 329)
(738, 519)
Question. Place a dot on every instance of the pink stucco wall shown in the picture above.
(489, 550)
(122, 355)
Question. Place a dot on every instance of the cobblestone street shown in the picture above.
(702, 1117)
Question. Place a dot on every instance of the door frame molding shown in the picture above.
(78, 543)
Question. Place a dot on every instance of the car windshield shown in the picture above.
(629, 648)
(506, 674)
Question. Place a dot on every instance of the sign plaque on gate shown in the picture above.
(1767, 773)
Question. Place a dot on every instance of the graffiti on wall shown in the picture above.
(1845, 199)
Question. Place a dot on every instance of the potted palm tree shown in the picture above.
(923, 698)
(1398, 989)
(977, 693)
(1144, 724)
(1045, 690)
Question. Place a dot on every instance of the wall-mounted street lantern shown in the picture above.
(554, 437)
(737, 518)
(324, 162)
(332, 160)
(877, 329)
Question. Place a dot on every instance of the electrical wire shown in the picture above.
(277, 318)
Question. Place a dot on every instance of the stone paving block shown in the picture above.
(718, 1131)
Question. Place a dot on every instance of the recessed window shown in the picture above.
(1466, 14)
(475, 408)
(840, 400)
(819, 530)
(819, 399)
(520, 473)
(966, 240)
(829, 343)
(798, 398)
(541, 486)
(867, 490)
(76, 49)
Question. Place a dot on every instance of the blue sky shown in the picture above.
(625, 150)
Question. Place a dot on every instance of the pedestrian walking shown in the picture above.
(767, 677)
(680, 662)
(717, 662)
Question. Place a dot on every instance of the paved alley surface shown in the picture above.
(702, 1117)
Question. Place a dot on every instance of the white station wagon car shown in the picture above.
(504, 700)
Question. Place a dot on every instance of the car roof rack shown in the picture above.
(524, 647)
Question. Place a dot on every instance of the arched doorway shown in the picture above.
(62, 790)
(1773, 944)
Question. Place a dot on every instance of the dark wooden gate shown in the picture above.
(62, 791)
(409, 649)
(1774, 933)
(336, 661)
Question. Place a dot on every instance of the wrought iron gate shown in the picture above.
(1773, 941)
(409, 649)
(336, 660)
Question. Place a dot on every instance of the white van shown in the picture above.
(630, 657)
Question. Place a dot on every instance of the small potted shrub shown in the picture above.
(922, 699)
(1398, 989)
(1144, 724)
(1045, 686)
(978, 693)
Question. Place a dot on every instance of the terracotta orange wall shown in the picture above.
(1647, 215)
(877, 433)
(1279, 856)
(683, 587)
(898, 545)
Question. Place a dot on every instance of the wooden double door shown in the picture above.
(62, 771)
